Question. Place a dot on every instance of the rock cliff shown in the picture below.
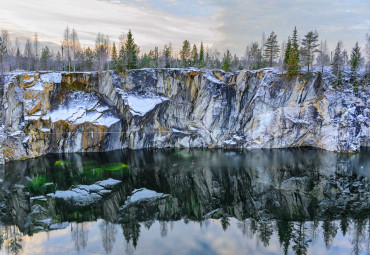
(156, 108)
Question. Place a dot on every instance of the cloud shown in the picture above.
(150, 26)
(240, 22)
(225, 24)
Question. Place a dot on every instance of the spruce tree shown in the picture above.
(114, 56)
(167, 56)
(131, 51)
(185, 53)
(271, 48)
(194, 56)
(293, 61)
(355, 64)
(226, 62)
(337, 64)
(287, 53)
(45, 58)
(144, 63)
(310, 44)
(201, 56)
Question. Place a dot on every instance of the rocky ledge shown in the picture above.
(45, 112)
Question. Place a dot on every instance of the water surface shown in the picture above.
(290, 201)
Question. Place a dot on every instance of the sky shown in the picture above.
(221, 24)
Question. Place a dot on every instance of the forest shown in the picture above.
(292, 55)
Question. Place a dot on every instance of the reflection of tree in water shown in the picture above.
(344, 224)
(265, 231)
(225, 223)
(330, 231)
(80, 235)
(358, 235)
(285, 229)
(108, 233)
(15, 245)
(300, 245)
(131, 231)
(163, 228)
(11, 239)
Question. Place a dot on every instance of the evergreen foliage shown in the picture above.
(310, 44)
(226, 62)
(337, 64)
(271, 48)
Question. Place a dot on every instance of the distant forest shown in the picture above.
(291, 55)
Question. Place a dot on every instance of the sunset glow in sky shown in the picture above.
(218, 23)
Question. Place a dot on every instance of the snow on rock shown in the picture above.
(39, 86)
(77, 196)
(109, 183)
(83, 195)
(296, 120)
(143, 194)
(29, 80)
(141, 104)
(51, 77)
(84, 107)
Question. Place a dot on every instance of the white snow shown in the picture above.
(141, 104)
(77, 196)
(51, 77)
(86, 194)
(108, 183)
(29, 80)
(296, 120)
(45, 129)
(144, 194)
(83, 107)
(174, 130)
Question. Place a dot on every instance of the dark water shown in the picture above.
(291, 201)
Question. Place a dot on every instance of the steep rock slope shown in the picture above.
(157, 108)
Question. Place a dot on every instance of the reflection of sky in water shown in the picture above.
(192, 238)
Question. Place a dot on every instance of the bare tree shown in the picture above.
(323, 58)
(28, 55)
(36, 47)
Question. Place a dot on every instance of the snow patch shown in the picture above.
(143, 194)
(296, 120)
(51, 77)
(141, 104)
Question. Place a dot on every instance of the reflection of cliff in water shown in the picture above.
(265, 190)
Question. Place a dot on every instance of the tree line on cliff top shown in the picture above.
(291, 56)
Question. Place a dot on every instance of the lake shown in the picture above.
(189, 201)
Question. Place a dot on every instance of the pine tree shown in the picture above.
(114, 56)
(271, 48)
(194, 56)
(45, 58)
(355, 64)
(226, 62)
(287, 53)
(293, 61)
(89, 56)
(131, 51)
(167, 56)
(201, 56)
(144, 63)
(185, 53)
(337, 64)
(310, 44)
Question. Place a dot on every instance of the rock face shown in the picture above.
(157, 108)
